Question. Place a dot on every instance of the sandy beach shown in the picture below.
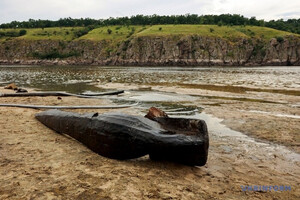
(38, 163)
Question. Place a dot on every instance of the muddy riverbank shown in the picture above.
(252, 116)
(272, 117)
(38, 163)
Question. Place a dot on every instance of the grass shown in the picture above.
(262, 32)
(65, 33)
(205, 30)
(227, 32)
(121, 33)
(118, 33)
(57, 33)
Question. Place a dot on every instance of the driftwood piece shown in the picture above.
(21, 90)
(59, 94)
(44, 94)
(67, 107)
(104, 93)
(122, 136)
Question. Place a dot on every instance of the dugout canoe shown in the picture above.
(122, 136)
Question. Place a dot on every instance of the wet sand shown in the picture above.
(265, 116)
(37, 163)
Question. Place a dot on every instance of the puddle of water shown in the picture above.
(247, 143)
(295, 106)
(274, 114)
(159, 97)
(77, 81)
(76, 88)
(289, 116)
(241, 99)
(233, 139)
(239, 89)
(182, 112)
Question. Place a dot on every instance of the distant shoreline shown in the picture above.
(135, 64)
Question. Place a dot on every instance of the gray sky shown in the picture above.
(22, 10)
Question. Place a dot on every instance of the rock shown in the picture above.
(192, 50)
(155, 112)
(11, 86)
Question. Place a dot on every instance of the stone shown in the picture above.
(11, 86)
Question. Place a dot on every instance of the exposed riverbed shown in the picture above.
(252, 116)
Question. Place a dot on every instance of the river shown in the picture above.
(75, 78)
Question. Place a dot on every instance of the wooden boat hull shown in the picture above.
(122, 136)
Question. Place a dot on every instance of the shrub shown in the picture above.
(9, 34)
(22, 32)
(131, 32)
(259, 49)
(125, 45)
(84, 31)
(279, 39)
(80, 32)
(109, 31)
(54, 54)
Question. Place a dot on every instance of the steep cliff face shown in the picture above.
(153, 50)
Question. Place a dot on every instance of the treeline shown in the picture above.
(290, 25)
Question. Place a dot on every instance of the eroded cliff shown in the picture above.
(183, 50)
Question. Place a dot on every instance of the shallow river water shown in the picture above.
(76, 78)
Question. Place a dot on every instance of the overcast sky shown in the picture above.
(22, 10)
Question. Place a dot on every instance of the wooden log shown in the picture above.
(122, 136)
(45, 94)
(67, 107)
(194, 153)
(104, 93)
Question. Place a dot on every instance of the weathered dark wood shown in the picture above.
(193, 153)
(104, 93)
(44, 94)
(35, 94)
(68, 107)
(122, 136)
(21, 90)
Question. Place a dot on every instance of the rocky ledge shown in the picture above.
(191, 50)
